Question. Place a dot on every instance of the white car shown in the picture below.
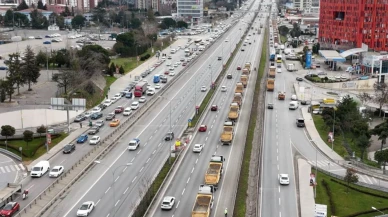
(94, 140)
(100, 123)
(150, 91)
(31, 37)
(85, 209)
(87, 114)
(135, 105)
(127, 111)
(96, 109)
(175, 65)
(293, 97)
(171, 69)
(152, 69)
(108, 102)
(56, 171)
(203, 89)
(197, 148)
(157, 86)
(284, 179)
(178, 63)
(142, 99)
(168, 202)
(223, 88)
(133, 145)
(168, 64)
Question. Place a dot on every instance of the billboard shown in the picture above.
(308, 59)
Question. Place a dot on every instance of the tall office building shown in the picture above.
(190, 10)
(350, 23)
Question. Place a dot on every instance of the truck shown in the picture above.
(246, 71)
(233, 112)
(140, 88)
(290, 67)
(281, 95)
(214, 171)
(270, 85)
(244, 80)
(227, 133)
(204, 201)
(272, 72)
(156, 78)
(248, 65)
(237, 98)
(239, 88)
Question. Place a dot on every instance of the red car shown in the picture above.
(238, 67)
(202, 128)
(166, 72)
(119, 109)
(184, 64)
(10, 209)
(214, 108)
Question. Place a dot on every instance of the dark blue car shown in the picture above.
(47, 42)
(83, 138)
(128, 95)
(3, 68)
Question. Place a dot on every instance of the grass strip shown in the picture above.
(240, 202)
(153, 189)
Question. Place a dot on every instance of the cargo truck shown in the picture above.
(248, 65)
(291, 67)
(239, 88)
(272, 72)
(227, 133)
(233, 112)
(246, 71)
(270, 84)
(244, 80)
(204, 201)
(237, 98)
(214, 171)
(281, 95)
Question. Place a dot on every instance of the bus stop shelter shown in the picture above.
(332, 57)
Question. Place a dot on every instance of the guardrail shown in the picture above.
(17, 157)
(86, 162)
(10, 190)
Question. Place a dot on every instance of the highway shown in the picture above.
(148, 159)
(190, 175)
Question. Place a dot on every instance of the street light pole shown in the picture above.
(47, 64)
(211, 76)
(332, 140)
(374, 208)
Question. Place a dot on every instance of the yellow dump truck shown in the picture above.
(239, 88)
(248, 65)
(270, 84)
(227, 133)
(244, 80)
(214, 171)
(272, 72)
(281, 95)
(233, 112)
(237, 98)
(204, 201)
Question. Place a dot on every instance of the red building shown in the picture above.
(345, 24)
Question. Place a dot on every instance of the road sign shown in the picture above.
(48, 137)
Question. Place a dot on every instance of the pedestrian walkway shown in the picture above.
(306, 194)
(11, 168)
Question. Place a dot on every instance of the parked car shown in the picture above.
(80, 118)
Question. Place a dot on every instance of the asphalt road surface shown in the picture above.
(10, 170)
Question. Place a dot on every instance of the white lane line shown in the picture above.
(196, 161)
(139, 151)
(132, 160)
(279, 189)
(126, 190)
(98, 201)
(177, 205)
(192, 170)
(2, 169)
(279, 201)
(12, 168)
(134, 179)
(107, 190)
(62, 162)
(108, 215)
(6, 168)
(214, 121)
(211, 127)
(208, 133)
(188, 180)
(141, 169)
(150, 138)
(154, 151)
(159, 144)
(145, 144)
(125, 168)
(206, 138)
(117, 178)
(148, 160)
(183, 191)
(17, 168)
(117, 202)
(21, 166)
(280, 214)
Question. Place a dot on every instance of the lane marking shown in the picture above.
(134, 179)
(126, 190)
(183, 191)
(107, 190)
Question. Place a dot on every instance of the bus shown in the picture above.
(272, 54)
(156, 78)
(278, 58)
(197, 41)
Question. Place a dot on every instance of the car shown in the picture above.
(168, 202)
(119, 109)
(184, 64)
(238, 67)
(94, 140)
(203, 89)
(100, 123)
(108, 102)
(39, 37)
(270, 106)
(169, 136)
(82, 138)
(157, 86)
(10, 209)
(96, 116)
(223, 89)
(96, 109)
(172, 74)
(87, 114)
(167, 72)
(79, 118)
(321, 73)
(171, 69)
(242, 49)
(110, 116)
(133, 144)
(226, 40)
(3, 68)
(67, 149)
(94, 130)
(86, 208)
(305, 102)
(102, 106)
(178, 63)
(169, 57)
(134, 105)
(202, 128)
(56, 40)
(214, 108)
(299, 79)
(284, 179)
(294, 97)
(114, 123)
(143, 74)
(142, 99)
(56, 171)
(150, 92)
(175, 65)
(117, 96)
(197, 148)
(219, 58)
(244, 45)
(47, 42)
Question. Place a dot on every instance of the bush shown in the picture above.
(328, 192)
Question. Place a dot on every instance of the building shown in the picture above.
(307, 6)
(190, 10)
(29, 10)
(348, 24)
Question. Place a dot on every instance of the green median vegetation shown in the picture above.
(240, 202)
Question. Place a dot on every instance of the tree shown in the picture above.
(12, 18)
(15, 72)
(381, 95)
(28, 136)
(78, 21)
(168, 22)
(127, 39)
(58, 19)
(22, 6)
(173, 5)
(295, 31)
(66, 12)
(3, 92)
(364, 97)
(381, 131)
(363, 143)
(150, 14)
(316, 48)
(40, 5)
(382, 157)
(38, 20)
(112, 69)
(65, 79)
(135, 23)
(8, 88)
(283, 30)
(7, 131)
(181, 24)
(121, 70)
(350, 177)
(30, 70)
(40, 130)
(41, 58)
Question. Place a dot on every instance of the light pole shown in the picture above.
(113, 180)
(47, 64)
(374, 208)
(211, 76)
(332, 140)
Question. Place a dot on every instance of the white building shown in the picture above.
(307, 6)
(190, 10)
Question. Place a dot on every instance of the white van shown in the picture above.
(40, 169)
(282, 47)
(172, 51)
(294, 105)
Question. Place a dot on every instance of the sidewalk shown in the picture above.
(306, 194)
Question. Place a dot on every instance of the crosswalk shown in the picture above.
(322, 163)
(11, 168)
